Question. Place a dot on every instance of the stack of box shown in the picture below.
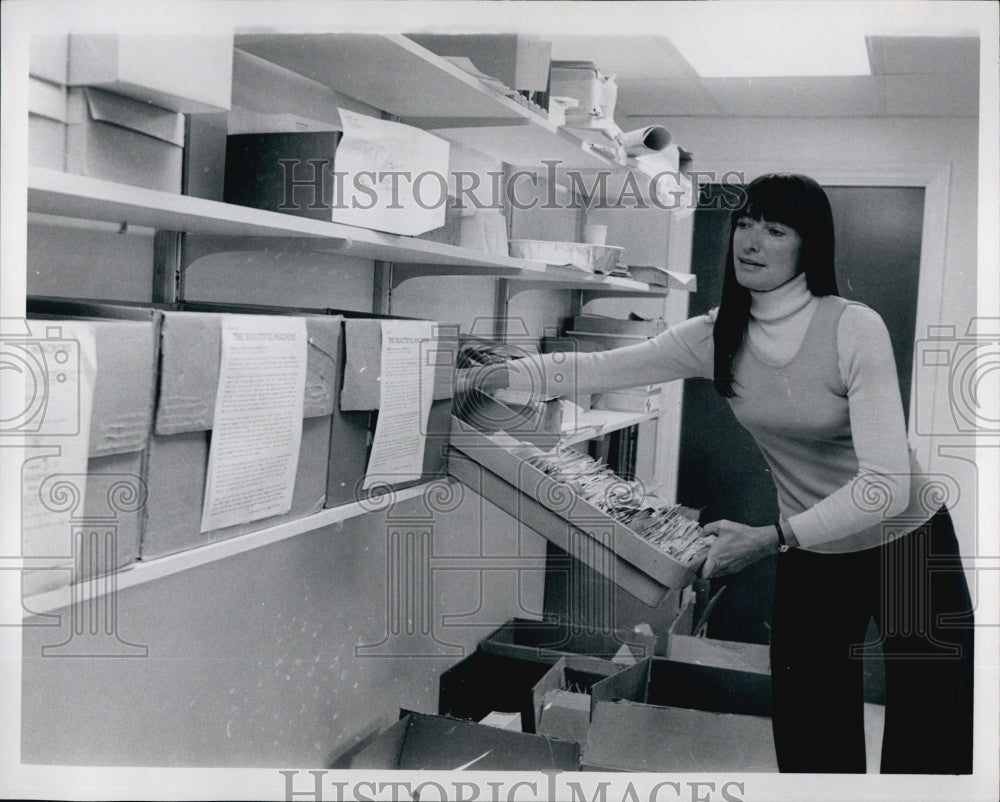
(105, 519)
(112, 106)
(628, 712)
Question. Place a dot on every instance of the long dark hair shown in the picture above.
(793, 200)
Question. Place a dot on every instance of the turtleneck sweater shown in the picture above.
(817, 389)
(779, 319)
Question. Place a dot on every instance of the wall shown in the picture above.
(251, 660)
(259, 659)
(856, 145)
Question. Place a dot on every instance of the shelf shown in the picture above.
(598, 422)
(398, 76)
(53, 192)
(139, 573)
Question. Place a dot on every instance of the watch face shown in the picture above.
(783, 548)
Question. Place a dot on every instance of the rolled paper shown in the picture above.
(642, 141)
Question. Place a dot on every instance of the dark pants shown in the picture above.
(915, 590)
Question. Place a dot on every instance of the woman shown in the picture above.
(812, 377)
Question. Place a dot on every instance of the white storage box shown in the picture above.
(192, 73)
(120, 139)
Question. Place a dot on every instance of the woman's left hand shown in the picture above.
(737, 546)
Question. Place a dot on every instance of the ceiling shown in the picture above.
(918, 76)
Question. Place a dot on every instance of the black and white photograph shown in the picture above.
(500, 401)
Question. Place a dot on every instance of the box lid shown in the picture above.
(190, 348)
(99, 106)
(122, 409)
(47, 99)
(123, 394)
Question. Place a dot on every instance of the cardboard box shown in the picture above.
(564, 699)
(422, 741)
(256, 166)
(596, 92)
(351, 429)
(176, 467)
(120, 139)
(176, 470)
(110, 517)
(47, 118)
(693, 718)
(503, 476)
(626, 736)
(548, 641)
(520, 61)
(184, 73)
(686, 646)
(361, 389)
(361, 171)
(711, 688)
(484, 683)
(48, 57)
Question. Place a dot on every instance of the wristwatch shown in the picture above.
(782, 545)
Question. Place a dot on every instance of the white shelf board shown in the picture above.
(396, 75)
(390, 72)
(52, 192)
(62, 194)
(598, 422)
(529, 146)
(148, 570)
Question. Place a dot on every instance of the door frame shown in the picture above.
(935, 178)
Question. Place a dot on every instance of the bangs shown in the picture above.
(777, 199)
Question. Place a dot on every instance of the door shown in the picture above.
(878, 234)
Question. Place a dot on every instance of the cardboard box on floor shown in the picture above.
(548, 641)
(625, 736)
(422, 741)
(693, 718)
(111, 514)
(684, 645)
(565, 698)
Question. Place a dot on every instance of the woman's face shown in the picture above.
(765, 255)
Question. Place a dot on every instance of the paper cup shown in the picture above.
(595, 234)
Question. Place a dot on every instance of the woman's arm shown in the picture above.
(881, 487)
(680, 352)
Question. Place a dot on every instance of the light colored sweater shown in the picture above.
(817, 389)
